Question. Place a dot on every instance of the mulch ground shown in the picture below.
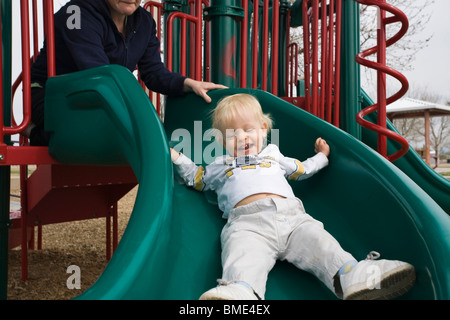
(80, 243)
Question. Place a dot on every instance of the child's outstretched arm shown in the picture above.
(322, 146)
(192, 174)
(174, 155)
(300, 170)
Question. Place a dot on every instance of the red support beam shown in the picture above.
(382, 70)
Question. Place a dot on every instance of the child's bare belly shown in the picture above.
(255, 197)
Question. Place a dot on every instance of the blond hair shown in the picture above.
(231, 106)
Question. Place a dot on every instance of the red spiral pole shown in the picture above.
(382, 70)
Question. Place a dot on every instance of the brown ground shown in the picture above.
(81, 243)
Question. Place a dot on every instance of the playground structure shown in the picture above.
(217, 41)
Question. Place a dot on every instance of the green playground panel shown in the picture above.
(171, 249)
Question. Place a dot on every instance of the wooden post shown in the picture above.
(427, 137)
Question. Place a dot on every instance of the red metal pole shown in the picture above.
(183, 46)
(337, 73)
(207, 59)
(381, 80)
(244, 45)
(206, 41)
(35, 30)
(381, 67)
(152, 6)
(265, 45)
(26, 83)
(198, 39)
(330, 63)
(288, 58)
(306, 54)
(169, 53)
(108, 233)
(315, 57)
(324, 66)
(50, 34)
(275, 44)
(192, 35)
(24, 220)
(255, 44)
(115, 227)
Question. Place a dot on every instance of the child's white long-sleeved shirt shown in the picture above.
(234, 179)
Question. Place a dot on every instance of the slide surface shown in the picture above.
(413, 165)
(170, 248)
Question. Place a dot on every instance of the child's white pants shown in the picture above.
(258, 234)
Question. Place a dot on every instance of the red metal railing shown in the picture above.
(275, 44)
(196, 19)
(24, 154)
(156, 9)
(322, 76)
(264, 50)
(197, 59)
(244, 44)
(25, 76)
(382, 70)
(322, 80)
(196, 50)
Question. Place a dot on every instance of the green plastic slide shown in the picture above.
(412, 164)
(170, 248)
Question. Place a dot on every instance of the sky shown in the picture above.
(431, 67)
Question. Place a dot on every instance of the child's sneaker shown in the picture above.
(233, 291)
(381, 279)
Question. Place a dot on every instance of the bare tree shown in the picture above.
(440, 132)
(413, 129)
(402, 53)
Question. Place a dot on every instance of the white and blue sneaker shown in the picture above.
(374, 279)
(231, 291)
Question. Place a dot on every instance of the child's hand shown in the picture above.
(322, 146)
(174, 155)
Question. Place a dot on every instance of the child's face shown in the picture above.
(244, 135)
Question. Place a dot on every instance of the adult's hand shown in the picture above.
(201, 88)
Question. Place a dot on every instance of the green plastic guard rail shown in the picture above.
(412, 164)
(171, 249)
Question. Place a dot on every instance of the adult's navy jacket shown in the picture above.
(96, 41)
